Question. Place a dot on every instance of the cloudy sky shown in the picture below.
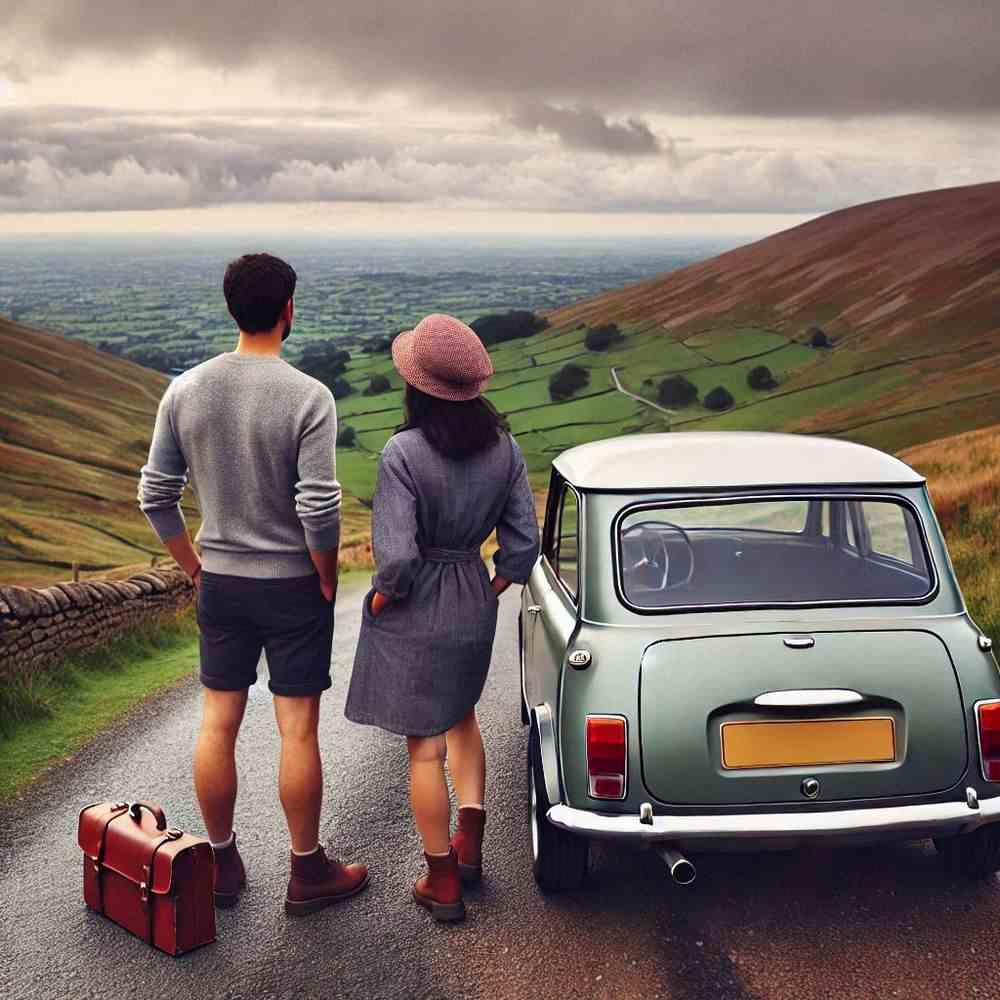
(521, 115)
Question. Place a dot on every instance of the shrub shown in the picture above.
(495, 328)
(347, 437)
(676, 390)
(600, 338)
(377, 384)
(567, 380)
(720, 398)
(817, 337)
(761, 377)
(341, 388)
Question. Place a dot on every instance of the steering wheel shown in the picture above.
(654, 551)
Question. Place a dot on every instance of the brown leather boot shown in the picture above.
(317, 882)
(440, 890)
(230, 876)
(468, 843)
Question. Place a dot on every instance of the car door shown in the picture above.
(551, 597)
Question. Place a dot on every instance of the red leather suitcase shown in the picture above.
(153, 881)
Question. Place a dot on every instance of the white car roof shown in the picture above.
(728, 459)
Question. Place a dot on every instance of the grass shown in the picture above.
(963, 474)
(50, 717)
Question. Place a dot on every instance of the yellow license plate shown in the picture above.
(808, 742)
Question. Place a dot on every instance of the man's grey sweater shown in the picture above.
(257, 437)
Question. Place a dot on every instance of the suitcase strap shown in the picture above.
(98, 862)
(145, 887)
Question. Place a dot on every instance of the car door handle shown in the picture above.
(808, 698)
(534, 609)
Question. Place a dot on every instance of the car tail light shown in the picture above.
(607, 752)
(988, 714)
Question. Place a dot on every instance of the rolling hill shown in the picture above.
(74, 430)
(905, 289)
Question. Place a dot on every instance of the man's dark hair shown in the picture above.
(455, 429)
(256, 287)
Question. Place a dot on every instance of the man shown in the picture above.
(257, 438)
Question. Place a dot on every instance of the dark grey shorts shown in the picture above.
(288, 618)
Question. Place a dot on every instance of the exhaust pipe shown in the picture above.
(682, 871)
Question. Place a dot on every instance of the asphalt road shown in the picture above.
(813, 924)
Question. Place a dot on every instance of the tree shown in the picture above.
(377, 384)
(324, 361)
(378, 345)
(817, 337)
(761, 377)
(600, 338)
(495, 328)
(720, 398)
(567, 380)
(347, 437)
(676, 390)
(341, 388)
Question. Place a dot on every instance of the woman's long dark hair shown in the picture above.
(456, 429)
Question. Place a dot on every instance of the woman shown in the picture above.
(447, 478)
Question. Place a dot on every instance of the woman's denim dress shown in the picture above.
(422, 663)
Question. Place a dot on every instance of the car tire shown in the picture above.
(975, 855)
(559, 859)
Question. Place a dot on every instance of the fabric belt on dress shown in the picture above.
(450, 555)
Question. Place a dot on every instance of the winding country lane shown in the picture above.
(813, 924)
(638, 399)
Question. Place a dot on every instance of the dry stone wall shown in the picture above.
(39, 627)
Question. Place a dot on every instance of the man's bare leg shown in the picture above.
(215, 760)
(300, 776)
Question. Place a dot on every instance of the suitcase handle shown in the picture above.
(135, 811)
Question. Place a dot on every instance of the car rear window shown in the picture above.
(772, 552)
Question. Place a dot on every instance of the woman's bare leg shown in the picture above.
(467, 761)
(429, 792)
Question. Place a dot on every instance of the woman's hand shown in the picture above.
(379, 603)
(499, 584)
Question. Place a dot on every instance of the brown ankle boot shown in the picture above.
(230, 876)
(468, 843)
(440, 890)
(317, 882)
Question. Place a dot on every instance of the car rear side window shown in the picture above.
(567, 554)
(780, 551)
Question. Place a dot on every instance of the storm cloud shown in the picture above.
(585, 129)
(89, 160)
(782, 57)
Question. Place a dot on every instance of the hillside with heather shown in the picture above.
(75, 425)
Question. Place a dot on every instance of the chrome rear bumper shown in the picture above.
(783, 829)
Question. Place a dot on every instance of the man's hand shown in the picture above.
(185, 556)
(379, 603)
(326, 564)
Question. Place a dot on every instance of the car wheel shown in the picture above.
(559, 859)
(975, 855)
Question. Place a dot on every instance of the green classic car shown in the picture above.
(740, 641)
